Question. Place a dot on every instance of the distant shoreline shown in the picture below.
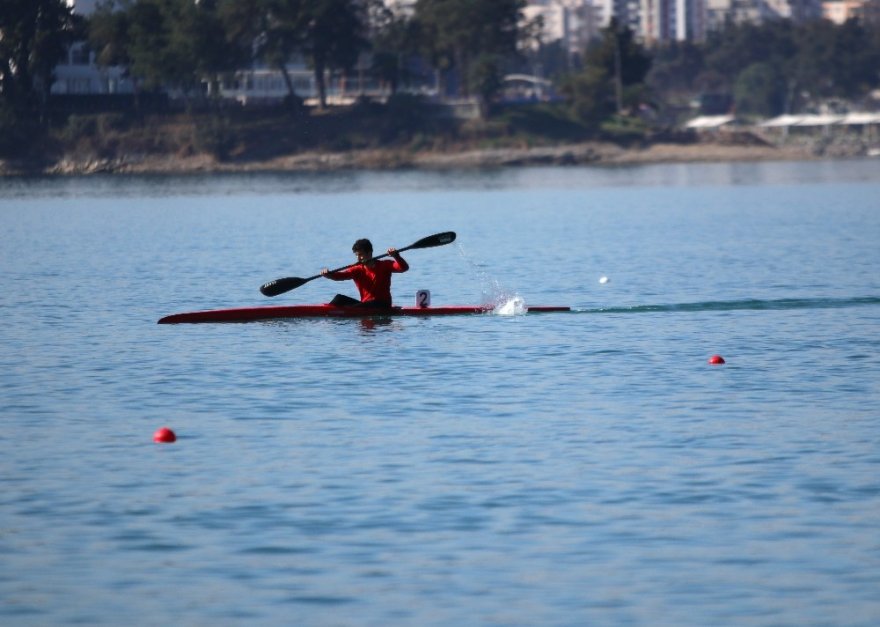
(589, 153)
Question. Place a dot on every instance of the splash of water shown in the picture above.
(514, 306)
(505, 302)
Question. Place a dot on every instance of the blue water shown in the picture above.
(586, 468)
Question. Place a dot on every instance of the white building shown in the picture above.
(573, 22)
(672, 20)
(78, 74)
(757, 11)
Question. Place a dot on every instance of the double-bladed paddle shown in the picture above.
(279, 286)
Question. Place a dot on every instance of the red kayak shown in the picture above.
(275, 312)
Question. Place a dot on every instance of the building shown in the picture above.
(78, 74)
(839, 11)
(718, 12)
(626, 12)
(573, 22)
(663, 21)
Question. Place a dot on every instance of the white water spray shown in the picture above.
(514, 306)
(504, 301)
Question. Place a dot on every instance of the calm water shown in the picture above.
(558, 469)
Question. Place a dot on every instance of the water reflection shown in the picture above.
(370, 325)
(474, 179)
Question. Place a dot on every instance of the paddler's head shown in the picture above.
(363, 249)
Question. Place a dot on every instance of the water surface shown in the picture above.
(558, 469)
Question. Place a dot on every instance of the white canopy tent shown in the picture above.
(850, 119)
(710, 121)
(860, 119)
(781, 121)
(818, 120)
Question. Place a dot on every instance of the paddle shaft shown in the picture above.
(279, 286)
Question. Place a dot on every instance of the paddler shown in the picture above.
(371, 276)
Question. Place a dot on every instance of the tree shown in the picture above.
(34, 37)
(856, 70)
(484, 76)
(457, 32)
(760, 90)
(329, 33)
(393, 41)
(676, 66)
(613, 77)
(549, 60)
(335, 35)
(108, 33)
(813, 60)
(272, 31)
(165, 43)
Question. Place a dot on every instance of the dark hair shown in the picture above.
(362, 245)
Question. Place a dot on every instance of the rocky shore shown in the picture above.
(595, 153)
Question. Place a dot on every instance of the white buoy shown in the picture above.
(603, 280)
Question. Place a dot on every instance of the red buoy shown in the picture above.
(716, 360)
(164, 436)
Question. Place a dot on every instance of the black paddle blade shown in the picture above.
(439, 239)
(279, 286)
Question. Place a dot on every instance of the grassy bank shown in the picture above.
(404, 133)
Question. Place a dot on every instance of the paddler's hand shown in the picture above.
(393, 252)
(325, 272)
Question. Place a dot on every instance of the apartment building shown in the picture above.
(656, 22)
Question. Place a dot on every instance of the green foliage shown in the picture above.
(811, 61)
(484, 77)
(454, 33)
(759, 90)
(550, 59)
(165, 43)
(675, 67)
(34, 35)
(591, 94)
(618, 52)
(770, 67)
(624, 128)
(329, 33)
(551, 121)
(394, 40)
(335, 35)
(108, 34)
(612, 79)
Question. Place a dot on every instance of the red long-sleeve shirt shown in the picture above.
(374, 284)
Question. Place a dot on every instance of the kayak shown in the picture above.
(276, 312)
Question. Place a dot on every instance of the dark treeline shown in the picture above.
(773, 68)
(182, 44)
(463, 46)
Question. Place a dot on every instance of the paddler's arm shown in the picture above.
(342, 275)
(400, 263)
